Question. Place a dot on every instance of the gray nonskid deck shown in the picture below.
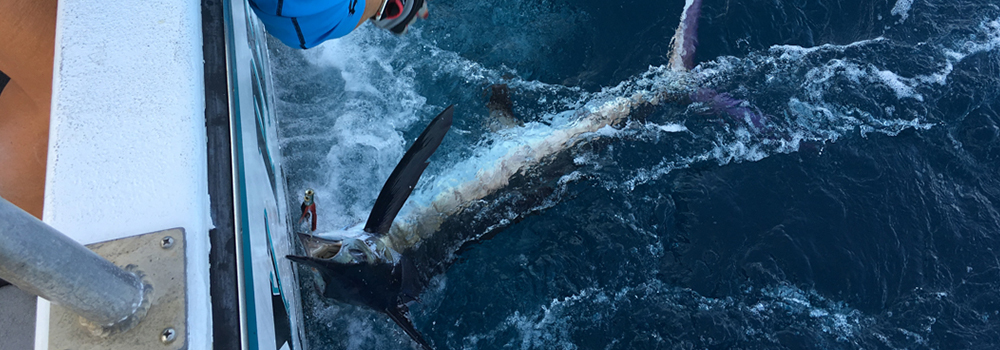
(17, 319)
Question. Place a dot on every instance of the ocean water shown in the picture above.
(861, 212)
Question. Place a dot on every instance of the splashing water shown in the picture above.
(595, 270)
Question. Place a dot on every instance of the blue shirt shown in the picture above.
(307, 23)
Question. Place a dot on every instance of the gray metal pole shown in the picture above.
(40, 260)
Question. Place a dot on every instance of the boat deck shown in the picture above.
(17, 319)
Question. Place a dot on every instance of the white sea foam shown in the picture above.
(902, 9)
(670, 128)
(363, 124)
(902, 86)
(988, 30)
(811, 117)
(553, 325)
(795, 52)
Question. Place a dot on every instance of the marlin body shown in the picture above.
(527, 176)
(386, 262)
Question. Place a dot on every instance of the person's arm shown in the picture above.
(371, 7)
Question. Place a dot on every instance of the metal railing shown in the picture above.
(42, 261)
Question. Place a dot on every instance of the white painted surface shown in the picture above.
(127, 150)
(42, 308)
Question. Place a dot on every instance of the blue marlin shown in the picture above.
(357, 264)
(385, 262)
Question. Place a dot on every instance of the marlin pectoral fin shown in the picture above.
(373, 285)
(399, 315)
(406, 174)
(411, 282)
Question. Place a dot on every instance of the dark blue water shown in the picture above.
(865, 215)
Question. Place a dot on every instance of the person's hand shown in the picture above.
(397, 15)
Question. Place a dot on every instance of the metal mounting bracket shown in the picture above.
(160, 260)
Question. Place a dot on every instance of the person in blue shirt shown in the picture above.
(304, 24)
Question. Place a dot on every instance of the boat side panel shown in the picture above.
(272, 309)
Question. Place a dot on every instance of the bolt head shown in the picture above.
(167, 242)
(168, 335)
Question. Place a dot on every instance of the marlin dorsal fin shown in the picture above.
(406, 174)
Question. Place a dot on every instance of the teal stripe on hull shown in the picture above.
(248, 289)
